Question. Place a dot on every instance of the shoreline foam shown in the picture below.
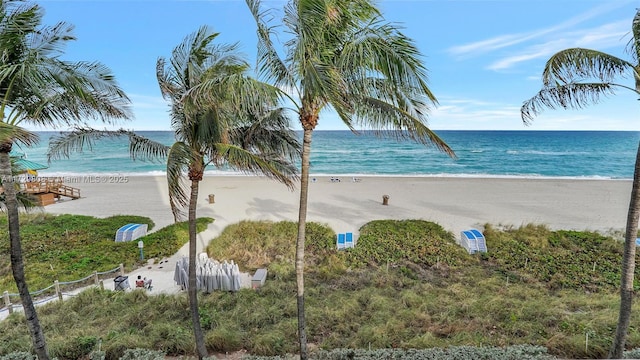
(218, 173)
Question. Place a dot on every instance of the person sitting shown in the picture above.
(143, 283)
(147, 284)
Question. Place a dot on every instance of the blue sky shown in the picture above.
(484, 57)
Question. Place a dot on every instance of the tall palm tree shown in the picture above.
(577, 77)
(220, 117)
(344, 56)
(38, 88)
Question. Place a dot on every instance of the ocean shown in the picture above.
(518, 154)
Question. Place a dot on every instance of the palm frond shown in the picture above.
(269, 132)
(350, 59)
(635, 39)
(385, 119)
(584, 65)
(16, 134)
(168, 81)
(81, 139)
(178, 161)
(37, 87)
(75, 92)
(270, 64)
(144, 148)
(270, 165)
(76, 141)
(25, 201)
(235, 93)
(569, 96)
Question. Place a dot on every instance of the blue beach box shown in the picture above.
(131, 232)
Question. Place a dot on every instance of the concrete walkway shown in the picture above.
(161, 271)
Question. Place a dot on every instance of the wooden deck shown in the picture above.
(47, 190)
(51, 185)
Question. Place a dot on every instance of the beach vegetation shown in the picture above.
(373, 306)
(40, 89)
(560, 259)
(573, 79)
(221, 117)
(72, 247)
(344, 56)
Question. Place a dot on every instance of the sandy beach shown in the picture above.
(454, 203)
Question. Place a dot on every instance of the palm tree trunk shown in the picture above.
(302, 226)
(17, 265)
(193, 290)
(628, 266)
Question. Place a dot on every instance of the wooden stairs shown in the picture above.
(47, 190)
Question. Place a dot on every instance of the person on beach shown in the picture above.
(143, 283)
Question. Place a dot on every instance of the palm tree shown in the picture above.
(24, 200)
(220, 117)
(577, 77)
(344, 56)
(38, 88)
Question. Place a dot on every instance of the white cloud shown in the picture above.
(488, 45)
(148, 102)
(544, 42)
(503, 41)
(477, 114)
(601, 37)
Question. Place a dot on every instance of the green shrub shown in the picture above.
(142, 354)
(20, 355)
(560, 259)
(632, 354)
(417, 241)
(74, 348)
(414, 300)
(519, 352)
(97, 355)
(72, 247)
(265, 243)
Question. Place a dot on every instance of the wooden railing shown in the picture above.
(51, 185)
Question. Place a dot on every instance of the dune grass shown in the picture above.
(71, 247)
(405, 285)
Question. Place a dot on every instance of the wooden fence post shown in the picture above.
(7, 302)
(95, 278)
(58, 292)
(121, 270)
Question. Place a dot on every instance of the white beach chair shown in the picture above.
(349, 240)
(341, 241)
(481, 242)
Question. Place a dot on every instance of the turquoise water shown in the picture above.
(565, 154)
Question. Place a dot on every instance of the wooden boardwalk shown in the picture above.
(48, 188)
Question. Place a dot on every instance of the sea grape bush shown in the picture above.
(142, 354)
(421, 242)
(516, 352)
(561, 259)
(20, 355)
(632, 354)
